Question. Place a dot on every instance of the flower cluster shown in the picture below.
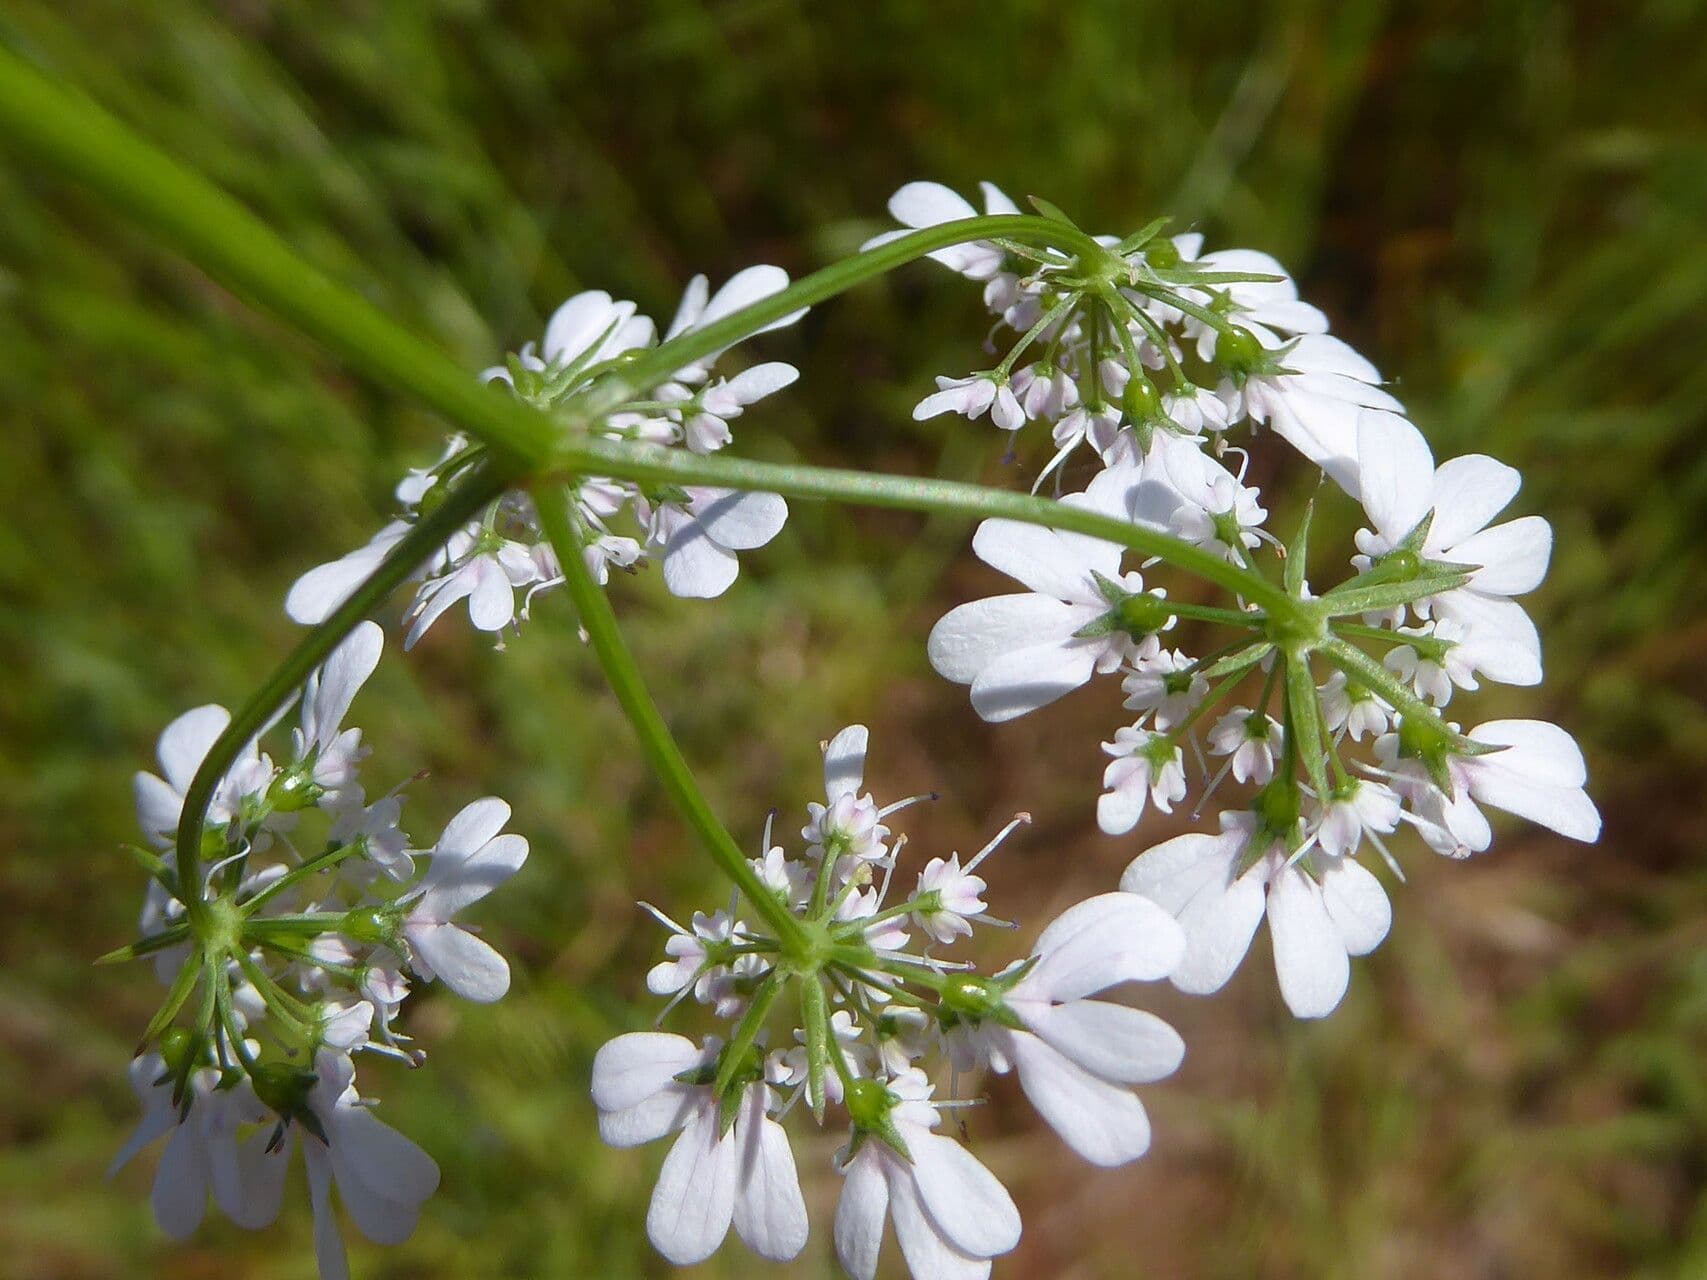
(872, 1006)
(1154, 358)
(697, 530)
(319, 909)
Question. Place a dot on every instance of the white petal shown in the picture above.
(349, 667)
(694, 1200)
(762, 380)
(860, 1214)
(996, 200)
(492, 603)
(1058, 565)
(737, 519)
(577, 324)
(1395, 473)
(1172, 874)
(633, 1067)
(384, 1160)
(969, 637)
(1014, 683)
(466, 964)
(1103, 1122)
(1126, 1046)
(474, 824)
(972, 1208)
(262, 1177)
(158, 806)
(1309, 957)
(926, 204)
(1535, 748)
(770, 1212)
(1540, 777)
(844, 761)
(695, 566)
(454, 884)
(436, 598)
(1468, 492)
(1505, 641)
(744, 288)
(316, 594)
(1100, 942)
(650, 1119)
(329, 1253)
(185, 742)
(1219, 924)
(180, 1183)
(1356, 902)
(929, 1256)
(1514, 556)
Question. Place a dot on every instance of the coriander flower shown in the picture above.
(470, 859)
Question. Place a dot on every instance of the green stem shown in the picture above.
(622, 460)
(599, 622)
(1359, 666)
(428, 536)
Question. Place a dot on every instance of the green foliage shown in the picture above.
(1501, 202)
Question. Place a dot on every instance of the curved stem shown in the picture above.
(483, 485)
(599, 622)
(624, 460)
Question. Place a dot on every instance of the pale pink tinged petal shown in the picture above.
(1356, 902)
(349, 667)
(651, 1118)
(1395, 473)
(576, 325)
(697, 568)
(1514, 556)
(694, 1201)
(1469, 492)
(262, 1177)
(1126, 1046)
(388, 1163)
(844, 761)
(158, 806)
(473, 826)
(971, 636)
(464, 963)
(762, 380)
(1309, 957)
(1100, 942)
(180, 1183)
(633, 1067)
(1015, 683)
(738, 520)
(329, 1253)
(492, 603)
(860, 1214)
(185, 742)
(1044, 561)
(1173, 873)
(925, 204)
(1219, 924)
(770, 1212)
(972, 1208)
(442, 596)
(1103, 1122)
(1507, 645)
(929, 1255)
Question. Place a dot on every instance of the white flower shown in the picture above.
(710, 1179)
(382, 1177)
(700, 307)
(593, 327)
(1272, 303)
(201, 1153)
(470, 859)
(1358, 715)
(951, 1215)
(1214, 509)
(848, 822)
(928, 204)
(1539, 775)
(972, 397)
(1020, 652)
(333, 751)
(689, 951)
(1044, 391)
(1401, 487)
(316, 594)
(183, 746)
(1321, 910)
(1145, 764)
(1358, 807)
(881, 936)
(1196, 409)
(1314, 400)
(1250, 739)
(1159, 684)
(1077, 1057)
(700, 538)
(958, 896)
(386, 844)
(707, 429)
(487, 571)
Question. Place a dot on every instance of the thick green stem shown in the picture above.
(599, 622)
(435, 528)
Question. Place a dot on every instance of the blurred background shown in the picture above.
(1503, 202)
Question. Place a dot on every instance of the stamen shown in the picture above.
(908, 803)
(663, 919)
(1018, 820)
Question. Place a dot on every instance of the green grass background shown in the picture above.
(1504, 202)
